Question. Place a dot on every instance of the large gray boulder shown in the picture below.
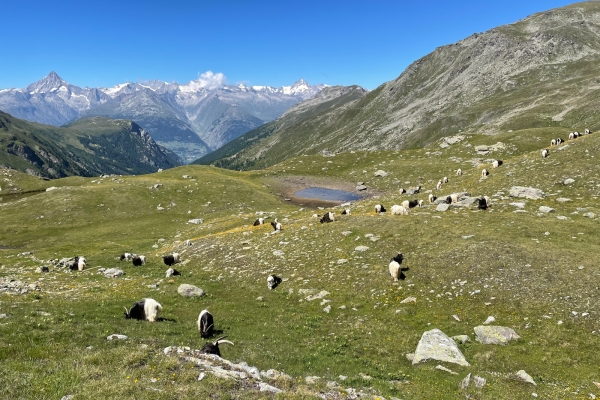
(495, 334)
(113, 272)
(436, 345)
(187, 290)
(526, 192)
(442, 207)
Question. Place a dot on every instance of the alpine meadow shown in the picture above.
(125, 273)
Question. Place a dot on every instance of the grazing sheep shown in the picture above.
(439, 185)
(484, 173)
(171, 259)
(496, 163)
(448, 200)
(410, 204)
(172, 272)
(395, 269)
(276, 225)
(401, 191)
(137, 261)
(346, 211)
(587, 131)
(459, 172)
(328, 217)
(445, 179)
(143, 258)
(146, 309)
(559, 141)
(572, 136)
(259, 221)
(205, 324)
(126, 257)
(379, 209)
(432, 198)
(482, 204)
(273, 281)
(553, 142)
(188, 242)
(81, 263)
(399, 210)
(213, 348)
(545, 153)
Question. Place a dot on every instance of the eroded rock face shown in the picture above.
(526, 192)
(495, 334)
(436, 345)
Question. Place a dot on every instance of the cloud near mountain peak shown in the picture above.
(209, 80)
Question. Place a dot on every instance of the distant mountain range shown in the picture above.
(191, 119)
(542, 71)
(88, 147)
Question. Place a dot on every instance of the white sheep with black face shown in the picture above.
(432, 198)
(273, 281)
(81, 263)
(459, 172)
(146, 309)
(496, 163)
(205, 324)
(379, 208)
(484, 173)
(545, 153)
(395, 268)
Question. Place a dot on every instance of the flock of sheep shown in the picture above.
(147, 309)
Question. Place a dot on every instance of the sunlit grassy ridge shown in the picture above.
(522, 268)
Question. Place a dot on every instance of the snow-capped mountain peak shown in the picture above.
(51, 83)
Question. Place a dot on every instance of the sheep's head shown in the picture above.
(127, 313)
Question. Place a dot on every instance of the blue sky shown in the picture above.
(253, 42)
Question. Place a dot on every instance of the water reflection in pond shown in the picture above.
(327, 194)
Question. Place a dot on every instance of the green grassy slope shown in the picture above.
(529, 270)
(86, 147)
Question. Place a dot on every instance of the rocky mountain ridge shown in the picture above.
(191, 119)
(539, 72)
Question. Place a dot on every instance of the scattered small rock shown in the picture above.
(116, 336)
(490, 334)
(479, 381)
(442, 368)
(525, 377)
(546, 209)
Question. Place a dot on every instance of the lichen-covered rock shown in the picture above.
(187, 290)
(526, 192)
(495, 334)
(436, 345)
(113, 273)
(442, 207)
(525, 377)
